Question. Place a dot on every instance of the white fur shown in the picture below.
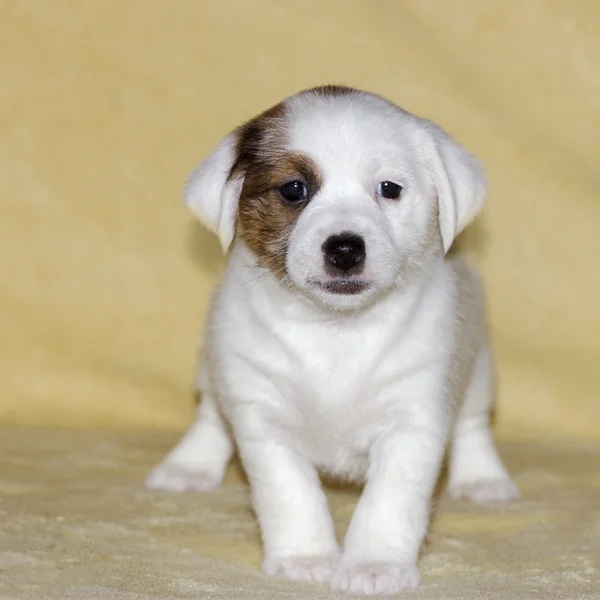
(209, 194)
(370, 387)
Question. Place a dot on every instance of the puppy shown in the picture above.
(342, 339)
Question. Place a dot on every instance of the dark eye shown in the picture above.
(293, 191)
(389, 189)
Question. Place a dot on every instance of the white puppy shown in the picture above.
(342, 339)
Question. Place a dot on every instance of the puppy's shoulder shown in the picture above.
(469, 301)
(466, 278)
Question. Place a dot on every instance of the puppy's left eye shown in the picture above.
(293, 191)
(389, 189)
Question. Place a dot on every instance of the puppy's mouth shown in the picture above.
(350, 287)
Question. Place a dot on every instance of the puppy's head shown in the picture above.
(338, 192)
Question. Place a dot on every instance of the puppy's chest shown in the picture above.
(329, 417)
(329, 399)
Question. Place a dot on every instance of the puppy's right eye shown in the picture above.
(293, 191)
(389, 189)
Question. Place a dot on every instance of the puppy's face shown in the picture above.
(338, 192)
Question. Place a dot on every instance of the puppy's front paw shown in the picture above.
(375, 578)
(302, 568)
(174, 477)
(485, 490)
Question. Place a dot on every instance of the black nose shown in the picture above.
(344, 253)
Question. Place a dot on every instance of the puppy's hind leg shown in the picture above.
(199, 460)
(476, 470)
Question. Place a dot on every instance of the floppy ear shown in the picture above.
(460, 183)
(212, 195)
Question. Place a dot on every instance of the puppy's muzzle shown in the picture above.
(344, 254)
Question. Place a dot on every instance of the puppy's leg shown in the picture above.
(199, 460)
(392, 516)
(476, 471)
(297, 531)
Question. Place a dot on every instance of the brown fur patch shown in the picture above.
(265, 222)
(257, 138)
(333, 90)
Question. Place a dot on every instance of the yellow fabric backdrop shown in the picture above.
(105, 105)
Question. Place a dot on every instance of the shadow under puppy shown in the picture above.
(342, 339)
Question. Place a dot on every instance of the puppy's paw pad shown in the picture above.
(486, 491)
(375, 578)
(302, 568)
(178, 478)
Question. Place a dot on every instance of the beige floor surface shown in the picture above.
(76, 522)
